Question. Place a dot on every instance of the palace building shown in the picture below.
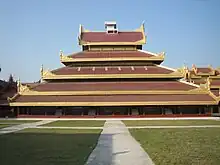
(114, 76)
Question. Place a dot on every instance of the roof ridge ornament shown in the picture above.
(21, 88)
(61, 53)
(41, 70)
(18, 85)
(184, 71)
(194, 68)
(213, 71)
(206, 85)
(141, 28)
(161, 54)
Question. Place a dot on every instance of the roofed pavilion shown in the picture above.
(112, 75)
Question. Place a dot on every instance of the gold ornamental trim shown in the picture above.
(49, 75)
(215, 86)
(113, 103)
(72, 59)
(198, 91)
(140, 42)
(215, 77)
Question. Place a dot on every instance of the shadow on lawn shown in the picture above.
(49, 147)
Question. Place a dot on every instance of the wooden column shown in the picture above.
(18, 111)
(82, 112)
(161, 110)
(180, 110)
(211, 110)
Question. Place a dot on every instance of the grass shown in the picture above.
(76, 123)
(47, 146)
(170, 122)
(17, 121)
(5, 125)
(181, 146)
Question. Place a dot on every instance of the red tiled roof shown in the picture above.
(109, 54)
(204, 70)
(215, 82)
(217, 72)
(116, 37)
(111, 70)
(113, 86)
(117, 98)
(215, 92)
(199, 81)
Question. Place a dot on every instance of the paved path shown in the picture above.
(19, 127)
(116, 146)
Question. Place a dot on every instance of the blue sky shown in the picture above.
(33, 31)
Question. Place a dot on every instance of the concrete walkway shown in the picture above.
(116, 146)
(19, 127)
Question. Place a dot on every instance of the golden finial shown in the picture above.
(194, 68)
(80, 29)
(61, 53)
(142, 25)
(211, 68)
(41, 69)
(185, 68)
(18, 84)
(141, 28)
(162, 54)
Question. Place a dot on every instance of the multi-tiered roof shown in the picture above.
(112, 70)
(209, 75)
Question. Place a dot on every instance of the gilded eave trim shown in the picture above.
(50, 75)
(72, 59)
(198, 91)
(215, 86)
(113, 103)
(214, 77)
(140, 42)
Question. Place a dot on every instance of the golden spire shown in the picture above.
(80, 29)
(194, 68)
(161, 54)
(41, 70)
(61, 53)
(18, 85)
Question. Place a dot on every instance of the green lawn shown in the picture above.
(76, 123)
(181, 146)
(17, 121)
(170, 122)
(5, 125)
(47, 147)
